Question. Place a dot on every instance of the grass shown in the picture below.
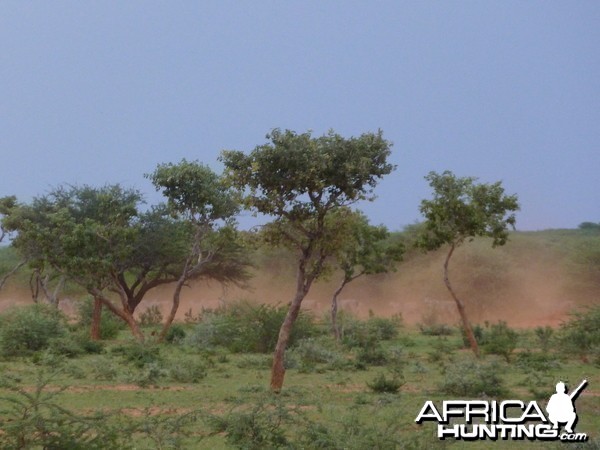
(331, 403)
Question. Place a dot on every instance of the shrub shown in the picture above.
(437, 329)
(254, 362)
(148, 375)
(34, 419)
(104, 369)
(366, 334)
(65, 346)
(500, 340)
(243, 327)
(581, 335)
(259, 428)
(30, 328)
(544, 336)
(537, 361)
(477, 332)
(187, 371)
(151, 316)
(138, 354)
(382, 384)
(109, 323)
(176, 334)
(307, 353)
(472, 378)
(373, 356)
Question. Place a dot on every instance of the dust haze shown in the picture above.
(524, 283)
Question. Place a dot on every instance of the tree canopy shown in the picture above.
(301, 181)
(462, 209)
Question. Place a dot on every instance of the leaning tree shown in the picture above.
(461, 210)
(301, 181)
(364, 249)
(199, 199)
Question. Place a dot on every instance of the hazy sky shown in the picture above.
(102, 91)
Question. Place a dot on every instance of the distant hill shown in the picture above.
(536, 279)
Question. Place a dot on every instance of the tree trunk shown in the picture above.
(461, 307)
(124, 315)
(174, 308)
(334, 309)
(278, 368)
(96, 318)
(303, 284)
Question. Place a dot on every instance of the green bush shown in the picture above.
(308, 353)
(478, 332)
(110, 325)
(243, 327)
(32, 419)
(500, 340)
(262, 427)
(472, 378)
(436, 329)
(139, 354)
(544, 336)
(187, 371)
(65, 346)
(382, 384)
(176, 334)
(27, 329)
(151, 316)
(367, 333)
(372, 356)
(580, 336)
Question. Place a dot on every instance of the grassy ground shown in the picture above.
(182, 396)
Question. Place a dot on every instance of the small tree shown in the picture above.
(460, 210)
(198, 197)
(7, 204)
(366, 250)
(301, 182)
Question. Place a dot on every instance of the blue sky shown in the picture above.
(101, 92)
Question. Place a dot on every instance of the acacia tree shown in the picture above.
(99, 239)
(365, 250)
(460, 210)
(199, 198)
(301, 181)
(86, 235)
(7, 204)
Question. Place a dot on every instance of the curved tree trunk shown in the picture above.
(123, 314)
(461, 307)
(303, 284)
(174, 308)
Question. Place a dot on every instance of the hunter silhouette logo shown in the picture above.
(508, 419)
(561, 408)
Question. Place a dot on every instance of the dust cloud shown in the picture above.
(524, 284)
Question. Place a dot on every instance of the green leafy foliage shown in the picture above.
(581, 334)
(246, 327)
(462, 209)
(473, 378)
(138, 354)
(500, 340)
(151, 316)
(383, 384)
(37, 420)
(110, 325)
(27, 329)
(365, 334)
(260, 427)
